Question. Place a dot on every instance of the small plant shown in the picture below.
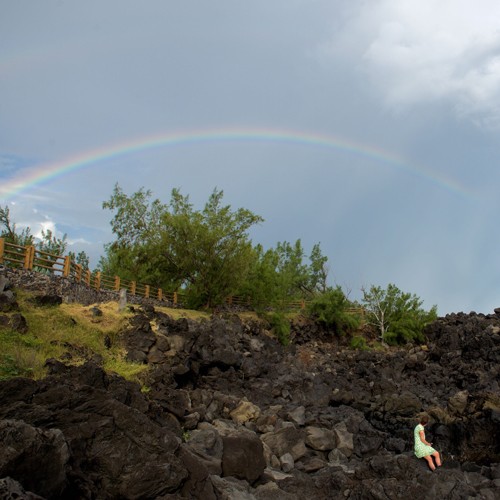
(358, 342)
(186, 436)
(8, 368)
(280, 326)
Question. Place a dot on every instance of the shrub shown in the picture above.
(280, 326)
(398, 316)
(332, 310)
(358, 342)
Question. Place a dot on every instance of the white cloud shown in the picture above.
(44, 227)
(421, 51)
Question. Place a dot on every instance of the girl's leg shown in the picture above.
(430, 462)
(438, 458)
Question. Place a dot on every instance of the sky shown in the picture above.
(368, 126)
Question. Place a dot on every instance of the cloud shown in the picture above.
(422, 51)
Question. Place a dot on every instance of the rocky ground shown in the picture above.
(232, 414)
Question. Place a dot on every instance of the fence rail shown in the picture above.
(30, 258)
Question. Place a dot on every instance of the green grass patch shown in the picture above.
(69, 332)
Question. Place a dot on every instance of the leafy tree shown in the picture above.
(81, 258)
(261, 280)
(318, 271)
(207, 252)
(331, 309)
(48, 243)
(280, 274)
(10, 232)
(398, 316)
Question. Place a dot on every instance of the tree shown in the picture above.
(11, 234)
(81, 259)
(398, 316)
(47, 242)
(331, 309)
(280, 274)
(205, 252)
(318, 273)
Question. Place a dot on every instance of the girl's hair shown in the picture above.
(424, 419)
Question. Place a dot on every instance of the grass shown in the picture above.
(184, 313)
(70, 332)
(73, 333)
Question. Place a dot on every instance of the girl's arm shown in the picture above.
(422, 438)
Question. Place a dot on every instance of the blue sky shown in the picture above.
(413, 87)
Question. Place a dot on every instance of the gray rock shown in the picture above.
(320, 439)
(287, 462)
(286, 440)
(243, 456)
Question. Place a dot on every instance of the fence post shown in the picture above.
(117, 283)
(146, 291)
(175, 298)
(132, 287)
(67, 266)
(78, 272)
(29, 257)
(98, 280)
(302, 304)
(160, 294)
(2, 250)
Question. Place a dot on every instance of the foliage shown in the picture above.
(81, 259)
(358, 342)
(398, 316)
(72, 328)
(331, 309)
(281, 327)
(47, 242)
(10, 232)
(279, 275)
(174, 246)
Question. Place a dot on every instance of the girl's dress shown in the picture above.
(421, 449)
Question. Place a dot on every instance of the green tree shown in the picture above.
(318, 271)
(207, 252)
(398, 316)
(331, 308)
(281, 274)
(81, 258)
(49, 243)
(11, 234)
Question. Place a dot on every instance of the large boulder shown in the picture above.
(243, 456)
(36, 458)
(114, 446)
(286, 440)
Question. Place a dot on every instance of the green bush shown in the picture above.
(398, 316)
(358, 342)
(280, 326)
(331, 309)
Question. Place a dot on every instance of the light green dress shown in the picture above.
(421, 449)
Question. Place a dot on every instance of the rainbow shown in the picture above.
(38, 174)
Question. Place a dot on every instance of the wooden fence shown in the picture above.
(30, 258)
